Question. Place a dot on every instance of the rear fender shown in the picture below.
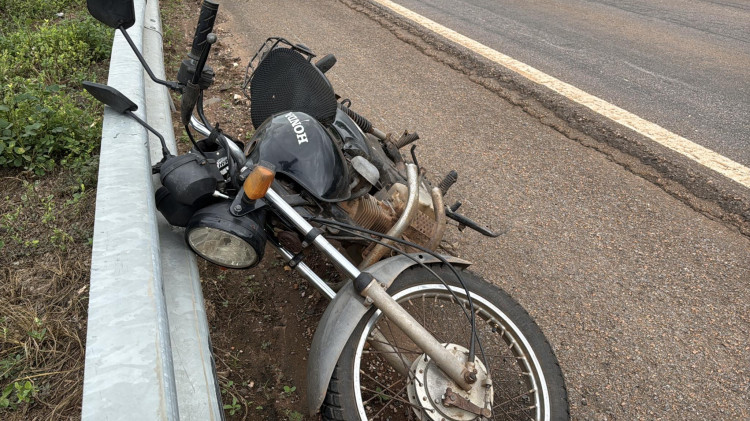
(341, 318)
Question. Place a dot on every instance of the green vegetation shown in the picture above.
(45, 119)
(20, 13)
(293, 415)
(239, 403)
(17, 393)
(234, 407)
(47, 126)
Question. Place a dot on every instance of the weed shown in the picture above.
(293, 415)
(289, 390)
(59, 238)
(45, 123)
(49, 209)
(381, 397)
(8, 220)
(9, 364)
(31, 243)
(184, 139)
(238, 402)
(40, 333)
(5, 397)
(234, 407)
(22, 392)
(229, 385)
(40, 126)
(78, 194)
(265, 345)
(24, 13)
(56, 53)
(265, 389)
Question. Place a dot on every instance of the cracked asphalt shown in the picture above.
(644, 299)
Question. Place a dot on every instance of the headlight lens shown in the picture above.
(222, 248)
(221, 238)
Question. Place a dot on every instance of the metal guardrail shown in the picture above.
(148, 353)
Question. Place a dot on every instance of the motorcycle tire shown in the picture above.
(526, 376)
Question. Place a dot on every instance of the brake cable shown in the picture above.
(356, 230)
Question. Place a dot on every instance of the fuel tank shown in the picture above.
(301, 148)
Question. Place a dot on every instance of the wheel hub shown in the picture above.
(427, 390)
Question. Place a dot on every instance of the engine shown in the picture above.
(380, 212)
(383, 175)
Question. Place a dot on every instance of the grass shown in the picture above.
(45, 120)
(49, 136)
(46, 226)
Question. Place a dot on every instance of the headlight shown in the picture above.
(223, 239)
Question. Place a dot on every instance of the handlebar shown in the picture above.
(205, 26)
(202, 41)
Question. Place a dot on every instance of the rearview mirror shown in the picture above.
(110, 96)
(120, 103)
(113, 13)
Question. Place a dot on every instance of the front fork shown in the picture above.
(374, 292)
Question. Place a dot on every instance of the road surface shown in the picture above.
(645, 300)
(684, 65)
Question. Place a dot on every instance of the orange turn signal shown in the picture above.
(258, 182)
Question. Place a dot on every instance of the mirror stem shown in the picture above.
(169, 84)
(165, 152)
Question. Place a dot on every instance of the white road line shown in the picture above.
(706, 157)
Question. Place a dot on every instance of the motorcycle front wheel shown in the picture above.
(527, 382)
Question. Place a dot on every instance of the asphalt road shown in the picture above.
(684, 65)
(645, 301)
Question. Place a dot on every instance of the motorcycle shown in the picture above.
(410, 333)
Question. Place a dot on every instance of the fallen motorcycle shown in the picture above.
(410, 333)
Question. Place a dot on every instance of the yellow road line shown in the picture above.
(697, 153)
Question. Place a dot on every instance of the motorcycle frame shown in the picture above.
(367, 286)
(374, 293)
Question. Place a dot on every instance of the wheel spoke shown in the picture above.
(390, 401)
(517, 411)
(383, 386)
(513, 400)
(400, 355)
(386, 380)
(393, 397)
(396, 347)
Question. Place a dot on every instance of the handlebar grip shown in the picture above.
(205, 26)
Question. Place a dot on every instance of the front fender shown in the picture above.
(341, 318)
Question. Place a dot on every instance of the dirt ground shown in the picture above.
(45, 247)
